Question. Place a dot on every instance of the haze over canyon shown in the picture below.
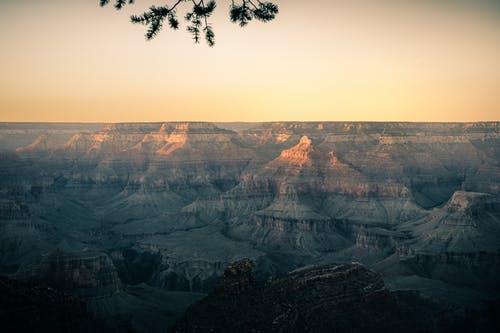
(140, 220)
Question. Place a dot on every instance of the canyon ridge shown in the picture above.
(140, 220)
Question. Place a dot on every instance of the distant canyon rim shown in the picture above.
(116, 212)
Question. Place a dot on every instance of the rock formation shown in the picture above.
(28, 308)
(168, 205)
(335, 298)
(86, 273)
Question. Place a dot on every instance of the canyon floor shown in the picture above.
(140, 220)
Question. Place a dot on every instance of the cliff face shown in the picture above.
(288, 223)
(45, 143)
(296, 301)
(150, 139)
(467, 223)
(342, 298)
(171, 204)
(458, 240)
(87, 274)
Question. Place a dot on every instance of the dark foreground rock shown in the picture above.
(28, 308)
(333, 298)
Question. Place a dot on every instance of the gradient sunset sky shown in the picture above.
(387, 60)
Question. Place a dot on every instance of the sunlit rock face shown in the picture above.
(297, 155)
(45, 143)
(170, 205)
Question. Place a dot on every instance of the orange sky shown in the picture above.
(319, 60)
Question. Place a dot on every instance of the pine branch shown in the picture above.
(118, 4)
(241, 12)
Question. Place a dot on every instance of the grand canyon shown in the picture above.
(139, 222)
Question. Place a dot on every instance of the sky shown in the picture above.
(323, 60)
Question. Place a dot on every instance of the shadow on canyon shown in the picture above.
(139, 221)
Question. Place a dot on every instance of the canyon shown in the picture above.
(140, 220)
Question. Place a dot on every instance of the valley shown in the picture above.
(136, 218)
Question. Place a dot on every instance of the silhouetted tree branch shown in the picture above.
(241, 12)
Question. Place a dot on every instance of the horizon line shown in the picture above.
(250, 122)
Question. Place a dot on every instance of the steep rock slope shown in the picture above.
(335, 298)
(459, 242)
(188, 198)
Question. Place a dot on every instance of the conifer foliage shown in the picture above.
(197, 16)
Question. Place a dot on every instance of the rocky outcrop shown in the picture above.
(237, 278)
(149, 139)
(45, 143)
(17, 135)
(299, 154)
(193, 275)
(458, 242)
(342, 298)
(471, 204)
(469, 222)
(190, 159)
(188, 198)
(377, 238)
(35, 308)
(87, 274)
(12, 210)
(288, 223)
